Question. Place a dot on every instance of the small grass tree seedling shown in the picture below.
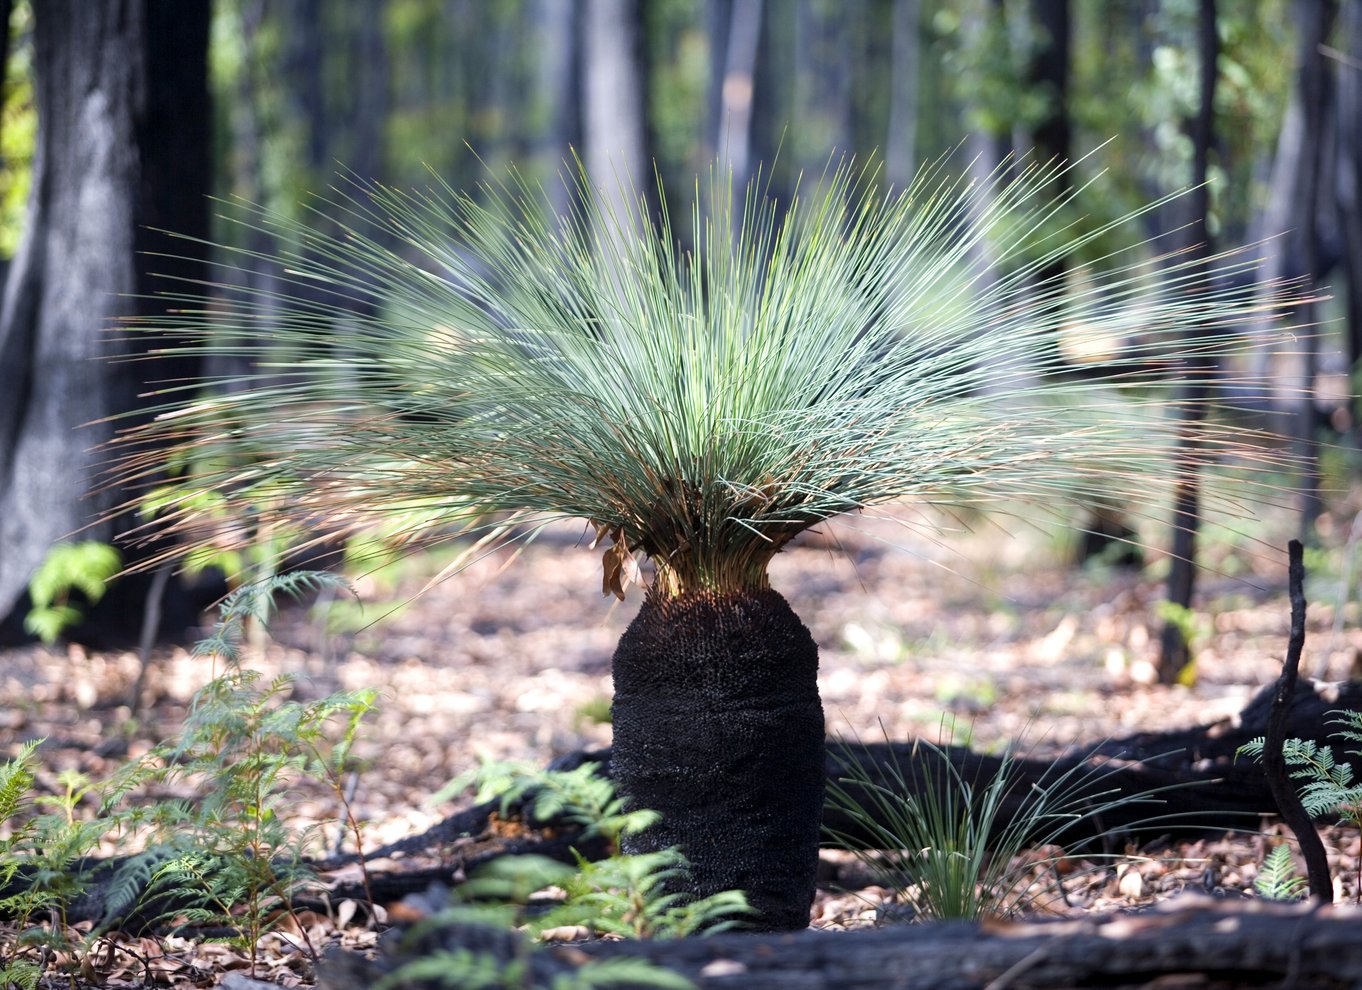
(948, 844)
(508, 368)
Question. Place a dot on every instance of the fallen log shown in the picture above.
(1195, 784)
(1183, 783)
(1190, 942)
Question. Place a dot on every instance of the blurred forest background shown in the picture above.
(123, 116)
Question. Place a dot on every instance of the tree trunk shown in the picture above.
(718, 728)
(821, 124)
(1052, 135)
(1288, 223)
(614, 136)
(1349, 193)
(555, 38)
(900, 155)
(1314, 19)
(121, 92)
(1175, 652)
(736, 85)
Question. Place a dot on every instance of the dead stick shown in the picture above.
(1274, 762)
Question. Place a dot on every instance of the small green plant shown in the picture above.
(1193, 629)
(16, 783)
(1277, 878)
(628, 895)
(593, 711)
(471, 948)
(474, 943)
(86, 567)
(232, 858)
(947, 844)
(1329, 789)
(40, 867)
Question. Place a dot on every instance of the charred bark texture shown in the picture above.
(122, 147)
(1193, 942)
(718, 728)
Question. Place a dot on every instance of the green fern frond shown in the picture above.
(21, 974)
(256, 601)
(1352, 727)
(1328, 788)
(622, 972)
(457, 969)
(134, 878)
(16, 781)
(1277, 878)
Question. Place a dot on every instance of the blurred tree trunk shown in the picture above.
(988, 152)
(1349, 187)
(555, 31)
(368, 53)
(900, 155)
(1290, 219)
(737, 33)
(122, 147)
(1052, 134)
(305, 85)
(1175, 653)
(614, 101)
(772, 101)
(1314, 20)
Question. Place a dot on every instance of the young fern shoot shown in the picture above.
(441, 362)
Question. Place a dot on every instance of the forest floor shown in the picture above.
(995, 642)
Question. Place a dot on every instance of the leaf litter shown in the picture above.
(990, 643)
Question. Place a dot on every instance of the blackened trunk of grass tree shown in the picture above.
(718, 728)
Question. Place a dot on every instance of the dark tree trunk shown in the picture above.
(1314, 20)
(718, 728)
(1350, 196)
(1049, 72)
(734, 86)
(1175, 652)
(123, 145)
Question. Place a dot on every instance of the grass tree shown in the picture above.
(474, 364)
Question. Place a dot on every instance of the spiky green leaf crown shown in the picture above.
(435, 359)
